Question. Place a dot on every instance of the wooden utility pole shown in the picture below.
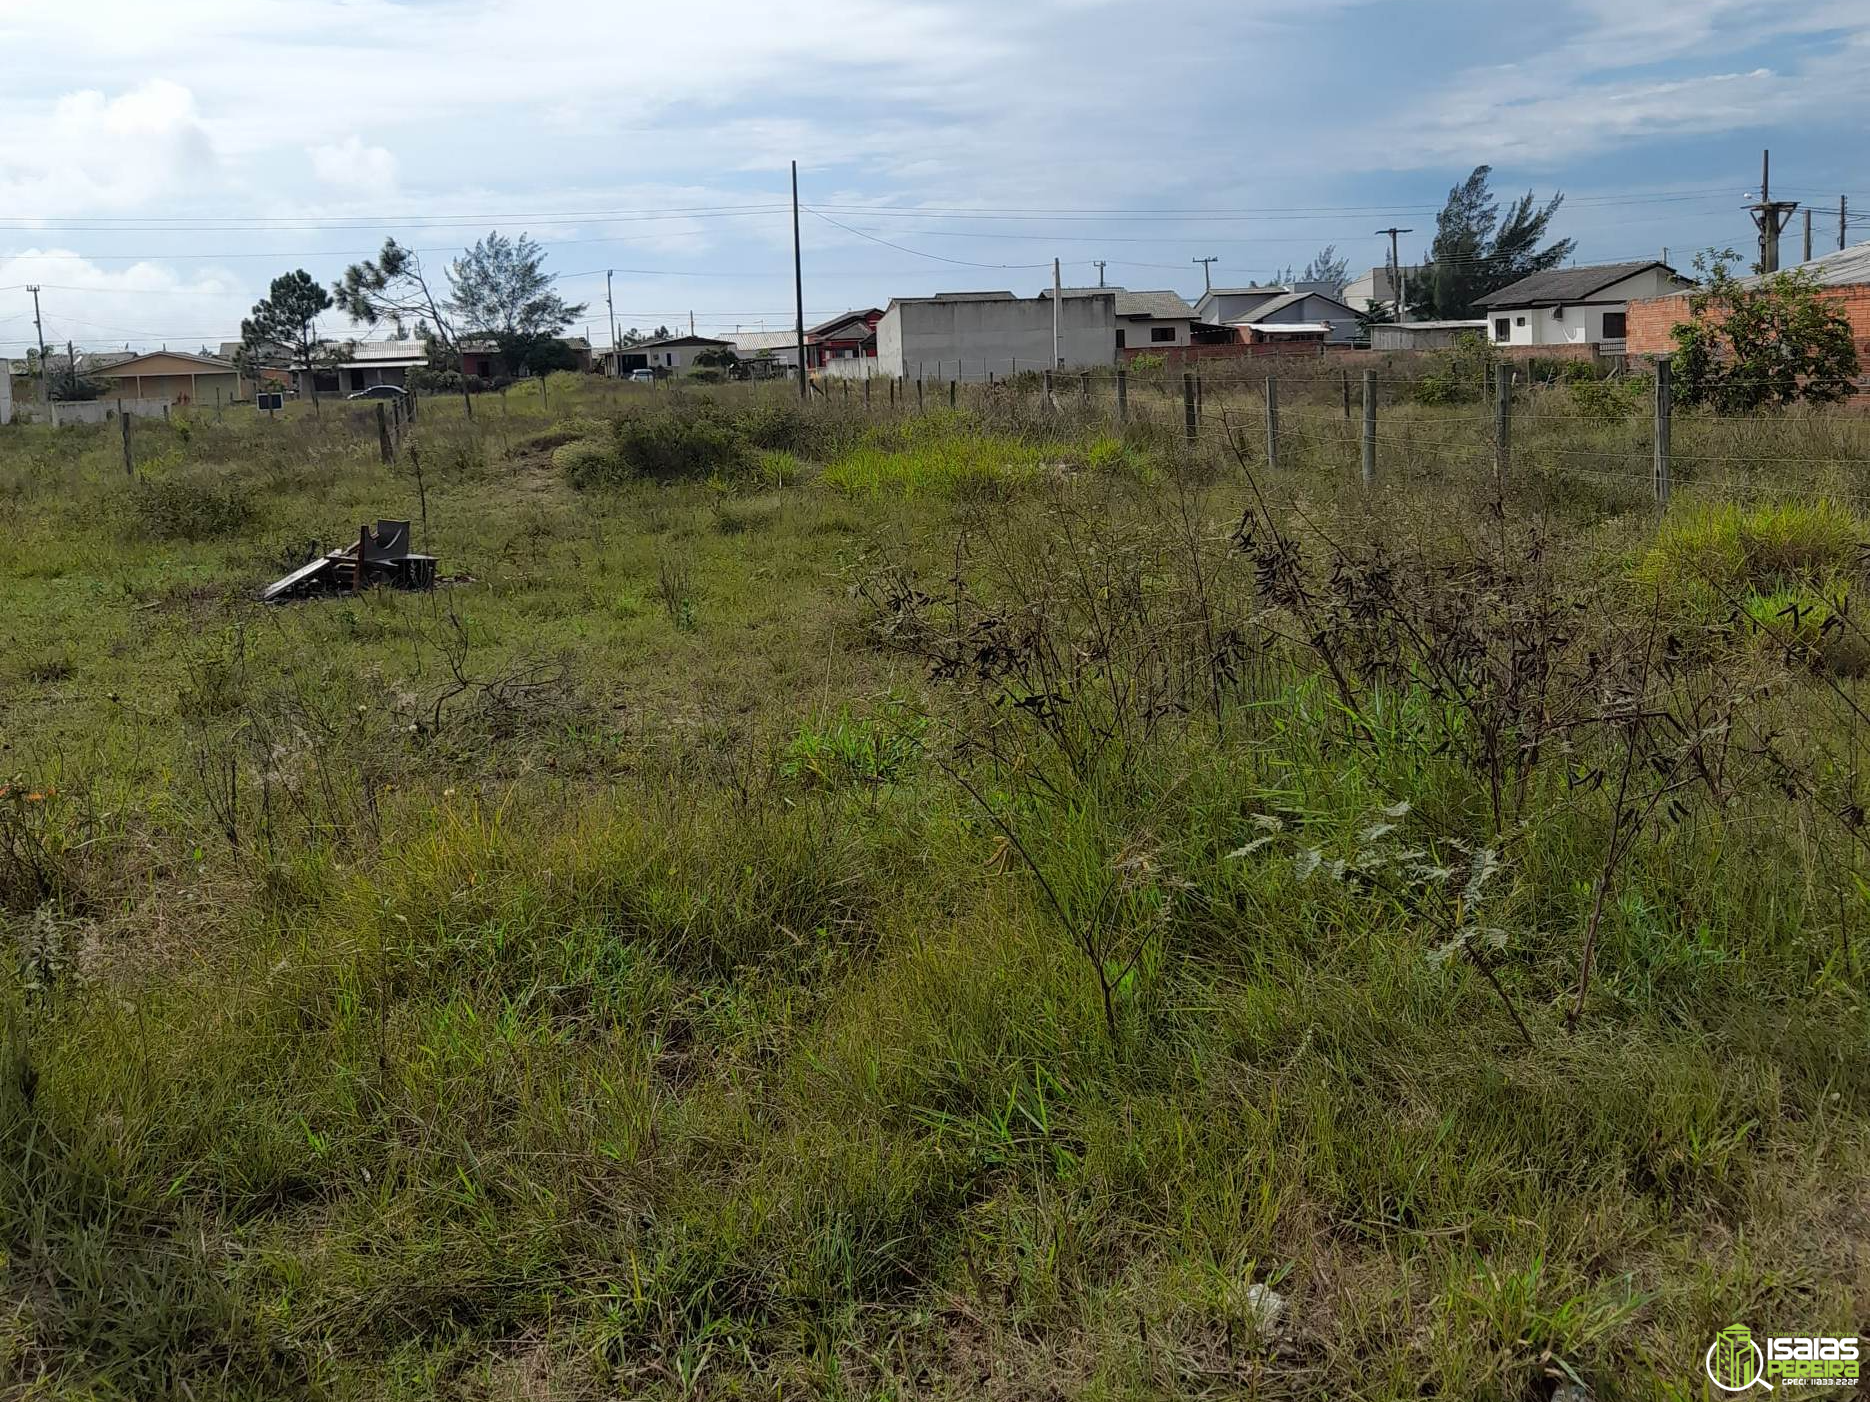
(1207, 280)
(616, 350)
(798, 280)
(1808, 237)
(1770, 216)
(39, 327)
(1398, 284)
(1058, 311)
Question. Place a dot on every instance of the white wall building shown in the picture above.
(971, 335)
(1575, 306)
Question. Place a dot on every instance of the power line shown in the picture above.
(933, 257)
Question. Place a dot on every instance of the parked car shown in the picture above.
(643, 377)
(380, 392)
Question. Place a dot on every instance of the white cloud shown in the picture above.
(89, 151)
(354, 167)
(102, 308)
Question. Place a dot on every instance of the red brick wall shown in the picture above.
(1652, 318)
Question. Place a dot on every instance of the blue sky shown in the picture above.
(164, 162)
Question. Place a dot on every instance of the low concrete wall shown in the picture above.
(90, 411)
(861, 367)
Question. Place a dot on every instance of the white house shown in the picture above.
(1576, 306)
(971, 335)
(1145, 320)
(671, 355)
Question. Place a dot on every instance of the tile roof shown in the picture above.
(1559, 285)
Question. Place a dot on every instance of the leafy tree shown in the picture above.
(287, 319)
(66, 381)
(724, 359)
(1761, 345)
(499, 289)
(1326, 268)
(1478, 248)
(392, 288)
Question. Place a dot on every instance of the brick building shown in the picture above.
(1844, 276)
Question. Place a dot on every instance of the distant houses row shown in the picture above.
(1607, 309)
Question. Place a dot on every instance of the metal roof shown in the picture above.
(764, 340)
(1272, 328)
(1292, 299)
(1555, 286)
(678, 341)
(1475, 325)
(1844, 268)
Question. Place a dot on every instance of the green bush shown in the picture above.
(1604, 401)
(175, 508)
(588, 462)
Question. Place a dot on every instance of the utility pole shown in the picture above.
(1058, 306)
(1098, 263)
(1207, 280)
(798, 279)
(691, 323)
(1808, 237)
(1396, 270)
(616, 351)
(1770, 216)
(1844, 206)
(39, 327)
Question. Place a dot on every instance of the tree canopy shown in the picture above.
(393, 289)
(1764, 345)
(1327, 269)
(499, 289)
(286, 320)
(1480, 248)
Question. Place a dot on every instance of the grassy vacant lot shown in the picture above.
(972, 904)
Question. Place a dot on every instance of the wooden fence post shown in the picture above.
(866, 391)
(1272, 421)
(1370, 427)
(1502, 422)
(1344, 381)
(384, 450)
(1189, 430)
(1123, 396)
(1665, 405)
(129, 462)
(951, 392)
(918, 394)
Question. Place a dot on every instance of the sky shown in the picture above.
(161, 163)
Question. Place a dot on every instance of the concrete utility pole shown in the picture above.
(1098, 263)
(616, 350)
(39, 327)
(1207, 281)
(798, 279)
(1844, 206)
(1396, 270)
(1058, 307)
(1770, 216)
(1808, 237)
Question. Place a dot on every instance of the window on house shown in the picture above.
(1501, 330)
(1162, 333)
(1615, 324)
(1119, 338)
(1519, 321)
